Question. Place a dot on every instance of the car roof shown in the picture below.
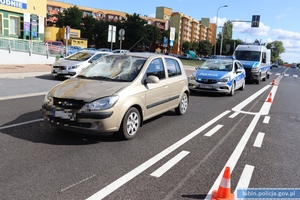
(146, 55)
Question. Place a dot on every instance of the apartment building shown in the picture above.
(186, 28)
(23, 19)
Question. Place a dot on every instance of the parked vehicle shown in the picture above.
(73, 49)
(121, 51)
(105, 49)
(192, 54)
(117, 93)
(185, 56)
(221, 75)
(73, 64)
(55, 47)
(256, 59)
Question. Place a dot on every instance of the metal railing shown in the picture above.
(29, 46)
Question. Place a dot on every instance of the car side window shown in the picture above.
(156, 68)
(96, 57)
(173, 67)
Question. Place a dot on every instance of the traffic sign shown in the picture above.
(122, 32)
(255, 21)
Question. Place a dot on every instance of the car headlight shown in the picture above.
(255, 69)
(192, 77)
(101, 104)
(48, 97)
(74, 66)
(224, 80)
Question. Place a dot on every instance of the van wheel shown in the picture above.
(130, 124)
(183, 105)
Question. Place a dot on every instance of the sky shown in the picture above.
(279, 20)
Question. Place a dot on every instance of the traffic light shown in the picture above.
(255, 21)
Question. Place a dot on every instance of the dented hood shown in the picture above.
(86, 89)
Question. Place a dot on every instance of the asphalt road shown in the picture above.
(172, 157)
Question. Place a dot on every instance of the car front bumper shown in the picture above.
(216, 87)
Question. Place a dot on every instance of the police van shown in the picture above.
(256, 60)
(220, 75)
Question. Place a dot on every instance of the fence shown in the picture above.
(30, 46)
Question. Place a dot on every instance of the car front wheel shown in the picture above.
(130, 124)
(183, 105)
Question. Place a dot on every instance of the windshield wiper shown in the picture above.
(99, 77)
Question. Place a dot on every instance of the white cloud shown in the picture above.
(283, 34)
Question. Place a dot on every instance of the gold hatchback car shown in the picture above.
(117, 92)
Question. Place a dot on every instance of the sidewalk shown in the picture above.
(14, 71)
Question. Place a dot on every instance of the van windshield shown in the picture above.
(247, 55)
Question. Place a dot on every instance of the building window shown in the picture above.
(13, 25)
(1, 24)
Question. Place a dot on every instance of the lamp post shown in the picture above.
(217, 26)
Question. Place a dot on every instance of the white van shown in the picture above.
(256, 60)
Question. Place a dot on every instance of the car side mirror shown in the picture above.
(151, 79)
(238, 71)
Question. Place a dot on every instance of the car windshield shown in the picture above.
(114, 67)
(80, 56)
(247, 55)
(219, 65)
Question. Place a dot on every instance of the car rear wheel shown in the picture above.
(183, 105)
(130, 124)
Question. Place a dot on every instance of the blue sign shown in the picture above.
(171, 43)
(18, 4)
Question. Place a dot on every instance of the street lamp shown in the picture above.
(217, 26)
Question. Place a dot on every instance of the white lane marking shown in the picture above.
(168, 165)
(277, 74)
(86, 179)
(141, 168)
(259, 139)
(295, 76)
(266, 119)
(286, 74)
(235, 155)
(22, 95)
(20, 124)
(267, 105)
(214, 130)
(241, 105)
(234, 115)
(245, 178)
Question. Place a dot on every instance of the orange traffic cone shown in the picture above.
(274, 81)
(270, 98)
(223, 193)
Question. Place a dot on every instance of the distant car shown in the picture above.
(73, 64)
(117, 93)
(205, 58)
(90, 48)
(185, 56)
(73, 49)
(105, 49)
(121, 51)
(219, 76)
(55, 47)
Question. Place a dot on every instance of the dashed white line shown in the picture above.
(214, 130)
(234, 115)
(141, 168)
(295, 76)
(266, 120)
(66, 188)
(286, 74)
(168, 165)
(259, 139)
(235, 155)
(245, 178)
(22, 123)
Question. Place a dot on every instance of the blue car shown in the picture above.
(73, 49)
(221, 75)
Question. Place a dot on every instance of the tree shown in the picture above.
(70, 17)
(88, 29)
(153, 36)
(195, 46)
(134, 27)
(205, 47)
(186, 45)
(276, 49)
